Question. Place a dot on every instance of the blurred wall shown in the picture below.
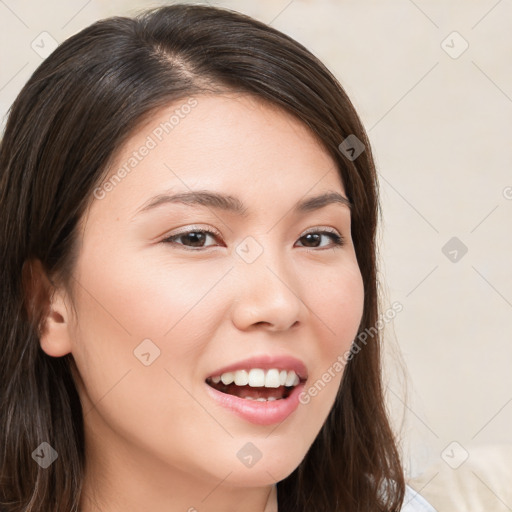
(432, 83)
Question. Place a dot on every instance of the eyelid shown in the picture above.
(320, 228)
(193, 227)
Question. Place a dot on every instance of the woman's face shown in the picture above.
(163, 311)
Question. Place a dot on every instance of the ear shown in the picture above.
(48, 307)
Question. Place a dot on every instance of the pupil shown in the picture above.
(310, 236)
(196, 237)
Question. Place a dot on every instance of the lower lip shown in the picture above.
(260, 413)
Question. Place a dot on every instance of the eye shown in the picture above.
(314, 238)
(193, 238)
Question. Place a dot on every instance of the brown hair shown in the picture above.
(76, 110)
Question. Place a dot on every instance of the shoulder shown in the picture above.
(414, 502)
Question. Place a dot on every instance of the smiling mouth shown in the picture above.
(256, 384)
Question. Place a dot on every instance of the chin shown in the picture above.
(265, 461)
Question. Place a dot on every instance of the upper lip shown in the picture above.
(266, 362)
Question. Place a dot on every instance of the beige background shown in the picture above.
(439, 119)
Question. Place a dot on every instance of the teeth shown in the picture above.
(241, 378)
(272, 379)
(291, 379)
(227, 378)
(269, 399)
(256, 378)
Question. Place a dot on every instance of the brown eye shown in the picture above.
(194, 238)
(314, 238)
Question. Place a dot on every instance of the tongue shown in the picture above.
(251, 392)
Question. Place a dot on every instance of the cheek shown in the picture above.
(127, 309)
(141, 330)
(338, 306)
(337, 302)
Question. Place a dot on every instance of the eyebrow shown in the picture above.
(233, 204)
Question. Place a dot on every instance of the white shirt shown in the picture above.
(413, 502)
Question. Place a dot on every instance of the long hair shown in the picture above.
(62, 132)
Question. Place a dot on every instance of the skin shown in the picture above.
(154, 439)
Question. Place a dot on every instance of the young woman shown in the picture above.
(188, 209)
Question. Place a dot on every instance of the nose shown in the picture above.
(266, 294)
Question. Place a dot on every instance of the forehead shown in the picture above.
(236, 143)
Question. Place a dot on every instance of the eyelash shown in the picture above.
(336, 238)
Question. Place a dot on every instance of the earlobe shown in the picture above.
(47, 307)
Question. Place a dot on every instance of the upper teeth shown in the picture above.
(257, 377)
